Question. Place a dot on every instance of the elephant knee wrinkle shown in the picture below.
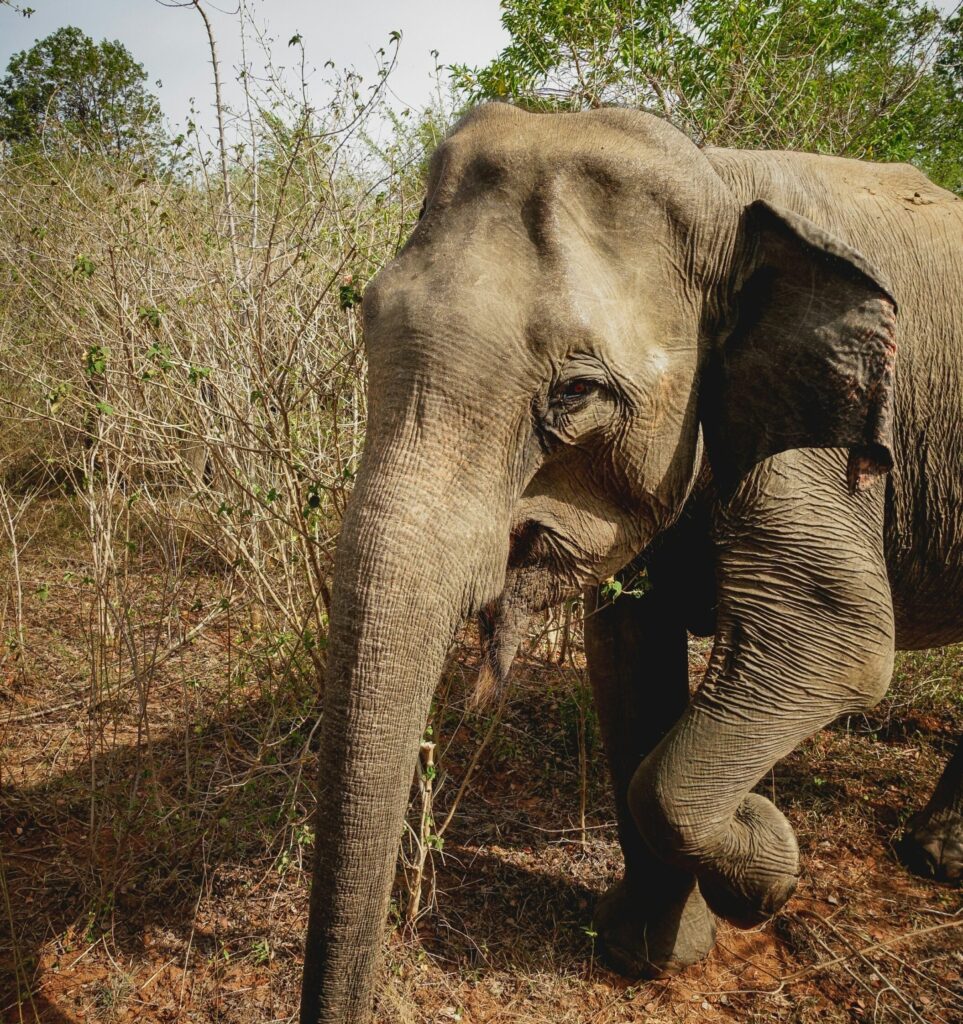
(877, 676)
(667, 825)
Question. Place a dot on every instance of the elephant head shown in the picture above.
(582, 294)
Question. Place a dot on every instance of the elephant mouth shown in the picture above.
(536, 578)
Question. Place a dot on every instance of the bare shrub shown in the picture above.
(182, 395)
(204, 382)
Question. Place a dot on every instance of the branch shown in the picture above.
(221, 140)
(164, 655)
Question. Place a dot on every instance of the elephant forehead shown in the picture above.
(543, 236)
(607, 167)
(482, 276)
(490, 316)
(496, 142)
(550, 199)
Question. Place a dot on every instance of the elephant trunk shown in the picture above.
(409, 559)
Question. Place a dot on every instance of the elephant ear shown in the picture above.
(810, 360)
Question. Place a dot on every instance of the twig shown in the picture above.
(807, 972)
(163, 656)
(222, 143)
(473, 763)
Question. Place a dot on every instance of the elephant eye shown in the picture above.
(576, 390)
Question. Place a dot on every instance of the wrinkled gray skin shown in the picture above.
(585, 299)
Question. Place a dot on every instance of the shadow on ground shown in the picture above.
(175, 869)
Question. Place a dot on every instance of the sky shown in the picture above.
(172, 46)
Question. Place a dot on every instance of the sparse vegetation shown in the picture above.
(182, 394)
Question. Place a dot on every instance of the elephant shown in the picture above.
(604, 345)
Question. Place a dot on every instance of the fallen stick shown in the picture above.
(806, 972)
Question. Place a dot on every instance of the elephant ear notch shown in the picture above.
(811, 359)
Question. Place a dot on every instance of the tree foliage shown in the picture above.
(72, 91)
(880, 79)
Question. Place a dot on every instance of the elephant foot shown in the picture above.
(752, 879)
(644, 936)
(933, 846)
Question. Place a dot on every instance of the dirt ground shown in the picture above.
(155, 834)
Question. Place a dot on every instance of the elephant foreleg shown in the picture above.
(804, 634)
(933, 844)
(654, 921)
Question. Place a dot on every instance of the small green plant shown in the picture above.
(56, 397)
(349, 295)
(304, 836)
(84, 266)
(159, 356)
(96, 361)
(150, 315)
(261, 952)
(590, 932)
(637, 586)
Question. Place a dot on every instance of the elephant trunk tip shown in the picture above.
(747, 868)
(487, 682)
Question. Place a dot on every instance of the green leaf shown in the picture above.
(96, 361)
(150, 315)
(84, 266)
(160, 355)
(57, 396)
(640, 585)
(349, 295)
